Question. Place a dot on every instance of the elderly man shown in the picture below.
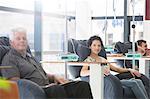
(26, 67)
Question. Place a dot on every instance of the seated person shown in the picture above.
(142, 47)
(95, 44)
(26, 67)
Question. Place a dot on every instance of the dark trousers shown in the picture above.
(145, 80)
(72, 90)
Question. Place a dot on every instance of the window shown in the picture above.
(110, 30)
(139, 30)
(107, 7)
(19, 4)
(138, 6)
(53, 33)
(9, 20)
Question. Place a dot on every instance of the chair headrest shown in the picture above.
(121, 47)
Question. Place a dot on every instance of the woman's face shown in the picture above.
(95, 47)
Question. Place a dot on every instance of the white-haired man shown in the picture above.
(26, 67)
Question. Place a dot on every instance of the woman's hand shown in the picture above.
(106, 67)
(106, 70)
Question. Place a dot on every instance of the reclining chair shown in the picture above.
(115, 89)
(123, 48)
(25, 89)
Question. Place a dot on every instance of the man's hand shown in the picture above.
(141, 50)
(135, 72)
(60, 79)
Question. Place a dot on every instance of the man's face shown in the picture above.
(19, 41)
(144, 46)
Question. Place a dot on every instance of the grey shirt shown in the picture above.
(24, 67)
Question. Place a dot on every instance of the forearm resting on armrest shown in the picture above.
(118, 69)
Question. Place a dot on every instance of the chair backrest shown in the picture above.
(3, 51)
(72, 48)
(4, 48)
(80, 48)
(123, 48)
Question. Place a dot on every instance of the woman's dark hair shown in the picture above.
(91, 39)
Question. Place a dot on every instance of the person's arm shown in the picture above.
(85, 71)
(122, 70)
(118, 69)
